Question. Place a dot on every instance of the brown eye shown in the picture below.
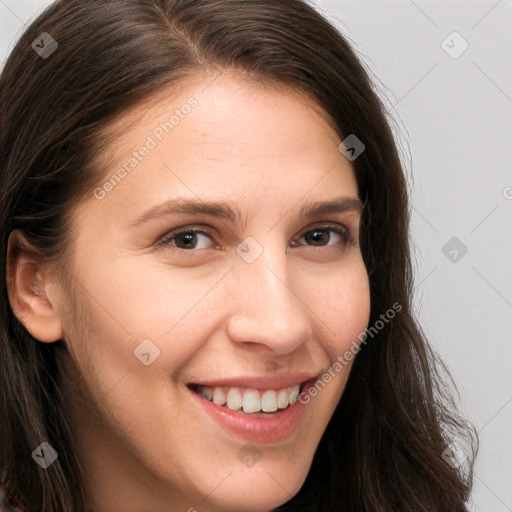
(188, 239)
(323, 236)
(318, 237)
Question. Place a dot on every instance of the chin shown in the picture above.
(260, 488)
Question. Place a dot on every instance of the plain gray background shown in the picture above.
(453, 113)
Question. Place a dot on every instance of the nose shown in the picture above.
(267, 311)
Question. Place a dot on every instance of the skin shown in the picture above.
(143, 441)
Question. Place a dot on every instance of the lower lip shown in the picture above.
(275, 427)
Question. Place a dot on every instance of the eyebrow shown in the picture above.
(225, 211)
(336, 205)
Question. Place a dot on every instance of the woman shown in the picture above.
(207, 303)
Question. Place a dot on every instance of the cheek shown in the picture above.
(342, 305)
(351, 305)
(174, 308)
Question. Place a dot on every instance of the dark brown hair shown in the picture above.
(384, 448)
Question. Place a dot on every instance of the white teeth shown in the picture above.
(294, 395)
(219, 397)
(252, 402)
(207, 392)
(282, 399)
(234, 399)
(269, 401)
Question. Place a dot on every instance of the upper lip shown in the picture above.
(260, 382)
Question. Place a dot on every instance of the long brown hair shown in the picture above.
(385, 447)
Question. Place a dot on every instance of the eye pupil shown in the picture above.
(190, 239)
(318, 237)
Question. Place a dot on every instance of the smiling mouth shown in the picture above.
(256, 402)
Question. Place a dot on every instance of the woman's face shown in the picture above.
(224, 256)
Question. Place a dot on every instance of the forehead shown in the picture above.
(225, 110)
(223, 137)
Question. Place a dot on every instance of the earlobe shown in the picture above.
(28, 286)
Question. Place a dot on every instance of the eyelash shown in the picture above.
(342, 232)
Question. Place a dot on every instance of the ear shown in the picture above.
(29, 286)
